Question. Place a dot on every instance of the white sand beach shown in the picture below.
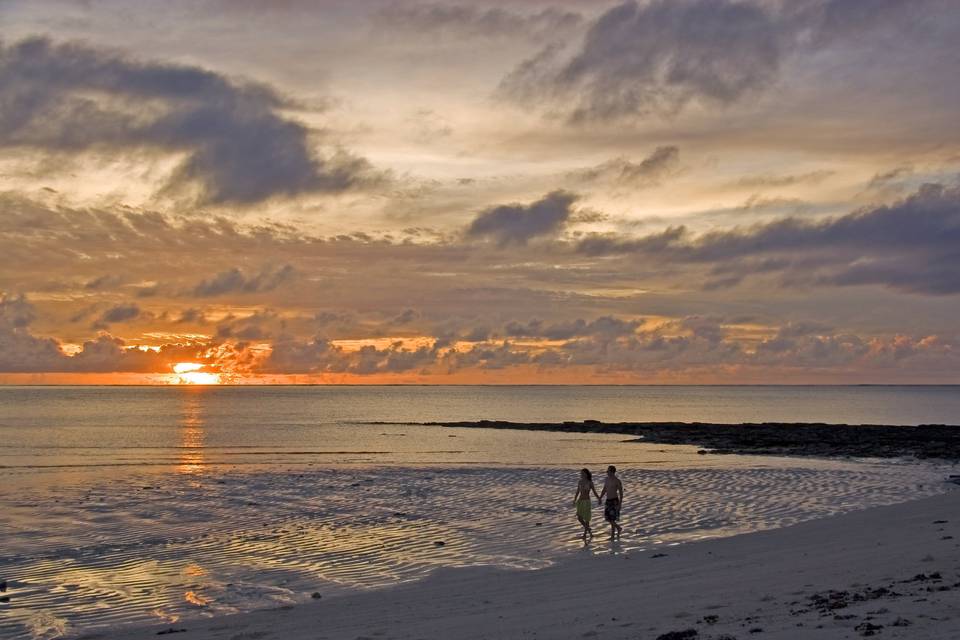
(891, 571)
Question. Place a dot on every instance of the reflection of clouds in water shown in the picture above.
(47, 625)
(191, 435)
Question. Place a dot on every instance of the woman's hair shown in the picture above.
(587, 473)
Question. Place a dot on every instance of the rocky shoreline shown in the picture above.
(790, 439)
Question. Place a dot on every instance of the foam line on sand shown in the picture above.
(891, 572)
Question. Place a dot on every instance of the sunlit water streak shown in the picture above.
(131, 505)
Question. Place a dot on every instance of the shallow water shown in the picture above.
(140, 505)
(152, 547)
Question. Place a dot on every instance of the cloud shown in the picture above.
(912, 245)
(606, 326)
(657, 57)
(549, 305)
(620, 172)
(885, 179)
(252, 327)
(236, 281)
(466, 20)
(102, 282)
(120, 313)
(518, 223)
(239, 145)
(602, 345)
(405, 317)
(774, 181)
(23, 352)
(321, 356)
(600, 245)
(191, 315)
(15, 311)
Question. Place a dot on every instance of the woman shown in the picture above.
(582, 501)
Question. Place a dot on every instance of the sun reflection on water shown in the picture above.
(191, 435)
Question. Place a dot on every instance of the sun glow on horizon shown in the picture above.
(189, 373)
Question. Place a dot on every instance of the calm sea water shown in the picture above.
(124, 505)
(110, 425)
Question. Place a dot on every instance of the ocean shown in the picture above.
(136, 504)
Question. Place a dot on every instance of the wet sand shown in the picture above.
(211, 542)
(889, 572)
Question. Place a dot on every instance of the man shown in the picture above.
(613, 489)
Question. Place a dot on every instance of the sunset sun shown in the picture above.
(190, 373)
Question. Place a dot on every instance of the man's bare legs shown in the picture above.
(615, 530)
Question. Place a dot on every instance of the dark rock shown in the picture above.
(756, 630)
(686, 634)
(3, 586)
(439, 543)
(901, 622)
(868, 628)
(711, 619)
(170, 630)
(4, 599)
(831, 601)
(799, 439)
(659, 555)
(316, 595)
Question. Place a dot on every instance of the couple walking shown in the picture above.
(612, 489)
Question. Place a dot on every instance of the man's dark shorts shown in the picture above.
(611, 510)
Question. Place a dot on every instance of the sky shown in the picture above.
(451, 192)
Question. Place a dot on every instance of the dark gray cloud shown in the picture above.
(15, 311)
(621, 172)
(191, 315)
(256, 326)
(236, 281)
(102, 282)
(240, 147)
(405, 317)
(23, 352)
(519, 223)
(468, 20)
(603, 344)
(120, 313)
(605, 326)
(912, 245)
(658, 56)
(321, 356)
(589, 306)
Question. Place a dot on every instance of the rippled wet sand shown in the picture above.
(210, 540)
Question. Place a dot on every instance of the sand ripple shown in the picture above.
(160, 548)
